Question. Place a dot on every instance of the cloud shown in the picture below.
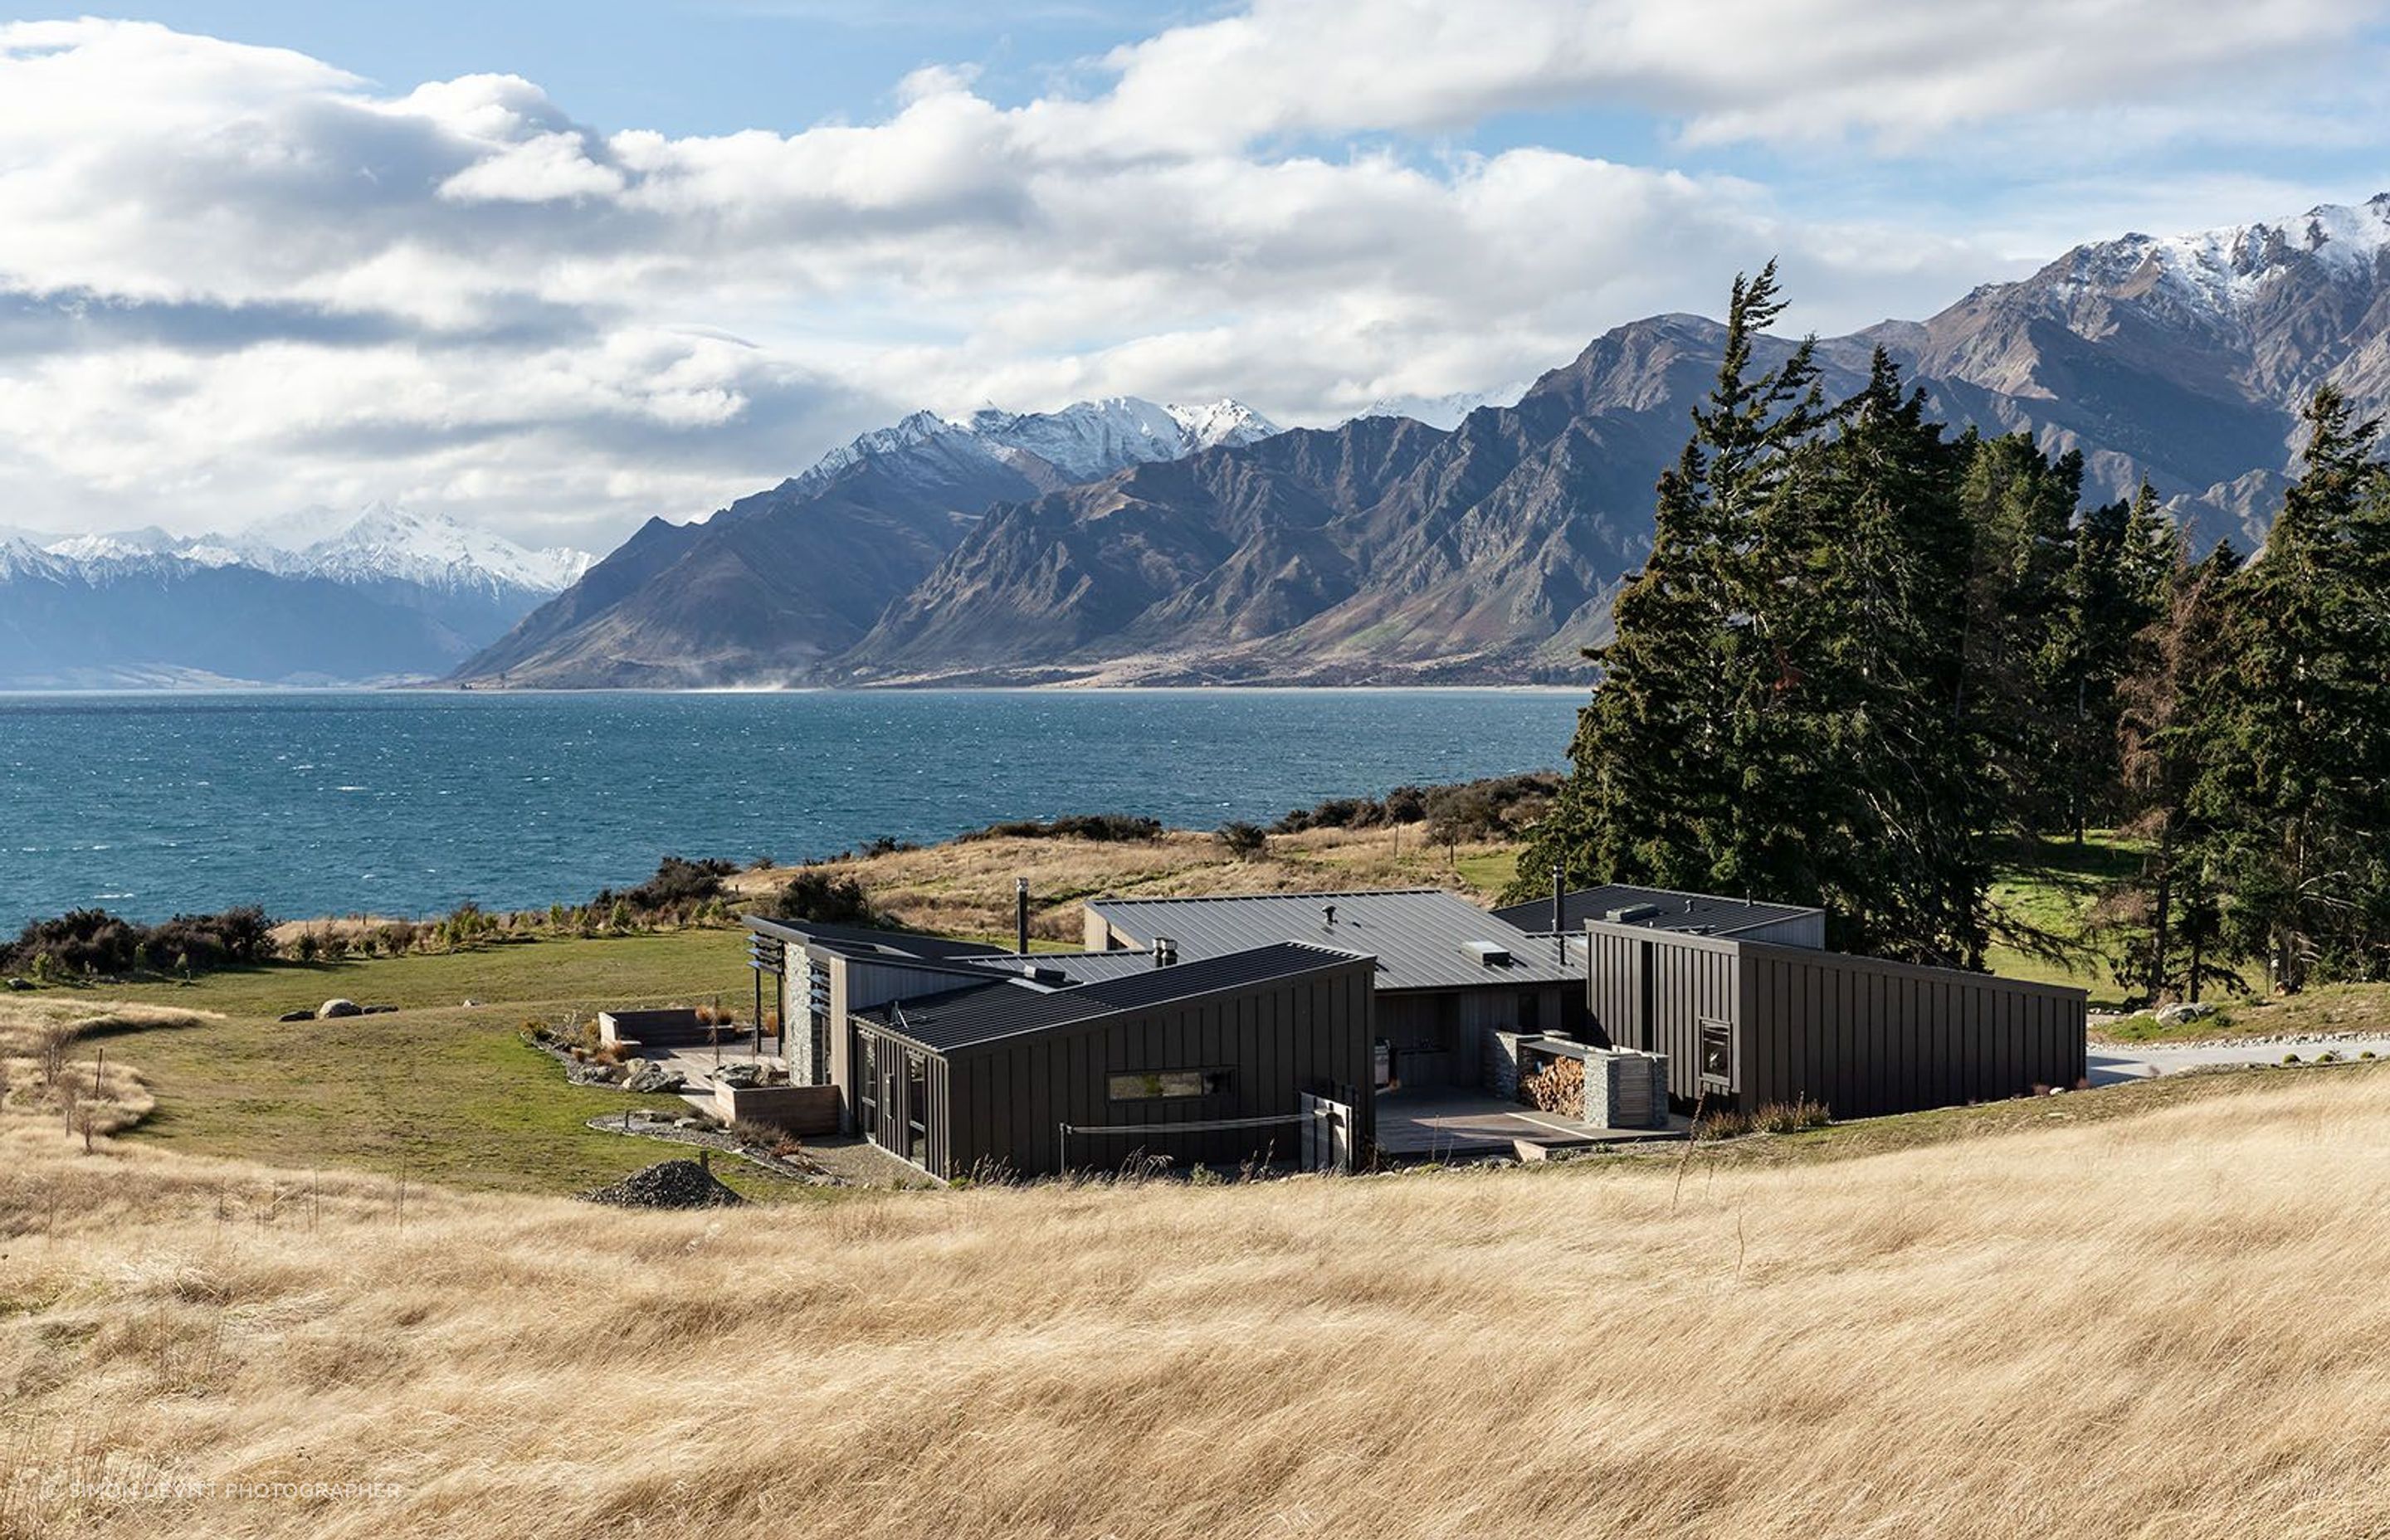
(237, 280)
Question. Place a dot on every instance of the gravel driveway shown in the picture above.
(2112, 1063)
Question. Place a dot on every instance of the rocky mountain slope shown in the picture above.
(773, 587)
(1120, 542)
(1377, 552)
(384, 596)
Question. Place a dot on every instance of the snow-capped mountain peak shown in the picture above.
(386, 541)
(384, 544)
(2217, 273)
(1084, 442)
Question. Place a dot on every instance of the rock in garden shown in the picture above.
(330, 1009)
(2178, 1015)
(667, 1185)
(739, 1076)
(653, 1079)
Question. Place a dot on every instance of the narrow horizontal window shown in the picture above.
(1170, 1085)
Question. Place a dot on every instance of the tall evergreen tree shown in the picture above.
(1652, 798)
(2115, 585)
(2167, 922)
(2016, 702)
(2299, 791)
(1889, 810)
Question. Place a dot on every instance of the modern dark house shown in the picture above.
(962, 1058)
(1448, 973)
(1746, 1023)
(1300, 1027)
(1218, 1061)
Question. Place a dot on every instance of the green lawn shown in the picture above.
(1492, 871)
(682, 965)
(2053, 885)
(444, 1092)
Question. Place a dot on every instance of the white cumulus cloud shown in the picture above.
(236, 280)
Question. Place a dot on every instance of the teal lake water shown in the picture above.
(414, 802)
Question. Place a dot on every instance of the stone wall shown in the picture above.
(1624, 1088)
(1501, 1067)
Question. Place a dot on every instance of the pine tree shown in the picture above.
(2016, 700)
(1886, 809)
(2299, 790)
(1651, 797)
(2167, 921)
(2113, 586)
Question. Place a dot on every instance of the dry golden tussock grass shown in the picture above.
(965, 887)
(2167, 1324)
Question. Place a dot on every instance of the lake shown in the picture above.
(414, 802)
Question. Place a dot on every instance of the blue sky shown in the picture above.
(555, 268)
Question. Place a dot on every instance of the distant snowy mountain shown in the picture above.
(765, 590)
(389, 542)
(383, 595)
(1084, 442)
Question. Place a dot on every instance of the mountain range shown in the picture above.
(1068, 548)
(1455, 540)
(314, 599)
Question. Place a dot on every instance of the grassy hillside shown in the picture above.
(964, 888)
(437, 1090)
(2144, 1325)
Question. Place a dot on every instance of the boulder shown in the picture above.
(740, 1077)
(21, 983)
(2182, 1013)
(593, 1074)
(331, 1009)
(653, 1079)
(300, 1015)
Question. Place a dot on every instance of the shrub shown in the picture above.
(1111, 827)
(308, 946)
(814, 894)
(1726, 1123)
(1791, 1117)
(1243, 840)
(90, 942)
(680, 883)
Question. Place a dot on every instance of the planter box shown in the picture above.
(677, 1028)
(792, 1108)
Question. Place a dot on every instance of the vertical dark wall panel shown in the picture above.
(1861, 1035)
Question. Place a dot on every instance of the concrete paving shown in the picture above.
(1444, 1122)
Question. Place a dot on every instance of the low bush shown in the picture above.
(1791, 1117)
(1243, 840)
(87, 943)
(814, 894)
(1110, 828)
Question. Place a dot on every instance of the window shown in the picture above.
(1170, 1085)
(1718, 1052)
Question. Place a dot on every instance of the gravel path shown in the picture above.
(2112, 1063)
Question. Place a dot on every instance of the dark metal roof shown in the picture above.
(1420, 936)
(863, 940)
(983, 1013)
(1075, 968)
(1702, 913)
